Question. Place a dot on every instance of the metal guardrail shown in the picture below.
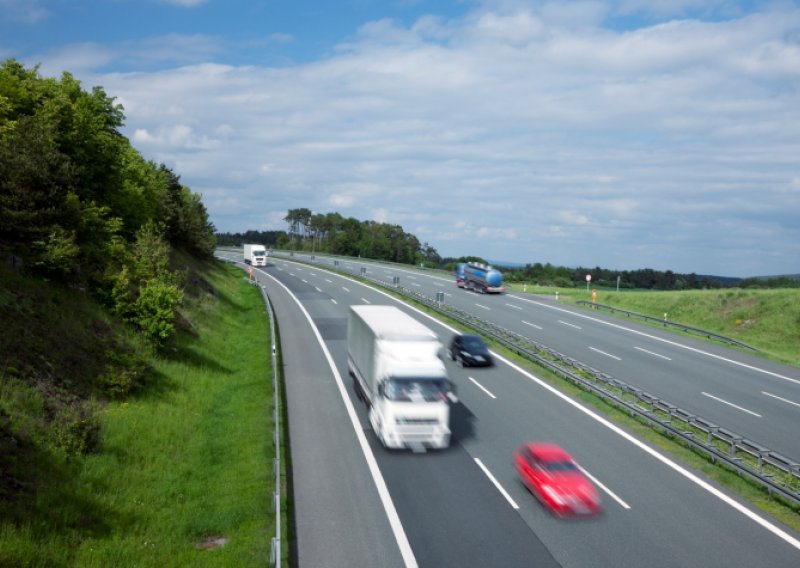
(275, 545)
(776, 473)
(275, 549)
(665, 322)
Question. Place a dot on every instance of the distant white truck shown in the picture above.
(397, 370)
(255, 255)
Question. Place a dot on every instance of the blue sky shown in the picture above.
(628, 134)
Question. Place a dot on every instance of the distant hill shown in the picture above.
(724, 280)
(790, 276)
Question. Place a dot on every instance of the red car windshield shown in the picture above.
(559, 466)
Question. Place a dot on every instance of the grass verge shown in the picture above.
(184, 472)
(768, 320)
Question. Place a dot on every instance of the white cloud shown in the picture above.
(514, 134)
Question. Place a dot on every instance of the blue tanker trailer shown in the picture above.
(479, 278)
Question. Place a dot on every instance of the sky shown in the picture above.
(623, 134)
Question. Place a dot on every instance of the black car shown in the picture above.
(470, 350)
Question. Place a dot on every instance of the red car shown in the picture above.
(553, 476)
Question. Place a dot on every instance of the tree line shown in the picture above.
(333, 233)
(80, 206)
(642, 279)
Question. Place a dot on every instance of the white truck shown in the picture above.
(396, 365)
(255, 255)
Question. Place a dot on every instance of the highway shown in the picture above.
(756, 398)
(359, 504)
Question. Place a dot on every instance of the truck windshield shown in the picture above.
(259, 253)
(416, 389)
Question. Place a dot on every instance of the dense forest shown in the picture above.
(89, 228)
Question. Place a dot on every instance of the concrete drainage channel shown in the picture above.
(778, 474)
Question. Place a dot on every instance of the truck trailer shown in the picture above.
(396, 365)
(479, 278)
(255, 255)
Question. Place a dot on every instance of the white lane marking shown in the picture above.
(656, 338)
(304, 281)
(604, 353)
(329, 281)
(482, 306)
(483, 388)
(365, 300)
(334, 301)
(652, 353)
(313, 273)
(569, 324)
(531, 324)
(780, 398)
(447, 294)
(345, 289)
(610, 493)
(415, 284)
(496, 484)
(759, 520)
(383, 491)
(513, 306)
(318, 289)
(730, 404)
(291, 274)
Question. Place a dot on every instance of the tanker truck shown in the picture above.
(479, 278)
(396, 368)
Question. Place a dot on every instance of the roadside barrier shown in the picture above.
(665, 322)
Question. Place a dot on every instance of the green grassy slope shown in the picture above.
(766, 319)
(183, 465)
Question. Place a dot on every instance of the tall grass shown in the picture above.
(184, 474)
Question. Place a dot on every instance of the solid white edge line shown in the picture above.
(737, 407)
(764, 523)
(610, 493)
(483, 388)
(377, 477)
(500, 488)
(663, 340)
